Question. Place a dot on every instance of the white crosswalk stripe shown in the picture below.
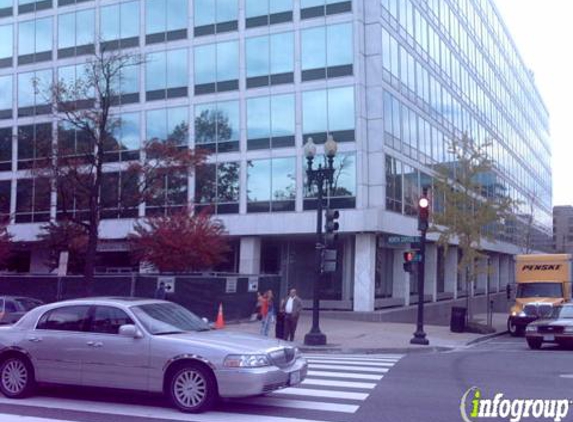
(336, 385)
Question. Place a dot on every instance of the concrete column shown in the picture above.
(364, 272)
(401, 282)
(250, 255)
(451, 271)
(348, 269)
(494, 274)
(504, 270)
(482, 269)
(431, 271)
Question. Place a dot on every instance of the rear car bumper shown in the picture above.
(243, 382)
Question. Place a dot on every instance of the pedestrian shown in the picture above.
(292, 307)
(160, 292)
(267, 312)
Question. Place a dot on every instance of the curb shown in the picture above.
(372, 351)
(486, 338)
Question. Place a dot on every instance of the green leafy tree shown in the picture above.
(470, 206)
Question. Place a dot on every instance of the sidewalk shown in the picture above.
(345, 336)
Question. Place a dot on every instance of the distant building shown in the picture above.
(563, 228)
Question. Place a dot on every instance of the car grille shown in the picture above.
(283, 357)
(550, 329)
(538, 310)
(275, 386)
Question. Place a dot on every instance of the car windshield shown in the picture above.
(526, 290)
(562, 312)
(27, 304)
(168, 318)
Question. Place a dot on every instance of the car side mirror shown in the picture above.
(508, 291)
(130, 330)
(205, 320)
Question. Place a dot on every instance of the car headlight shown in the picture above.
(522, 314)
(568, 330)
(297, 353)
(531, 329)
(246, 361)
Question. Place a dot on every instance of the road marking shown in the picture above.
(335, 383)
(345, 375)
(139, 411)
(350, 368)
(301, 404)
(11, 418)
(566, 375)
(357, 363)
(308, 392)
(393, 358)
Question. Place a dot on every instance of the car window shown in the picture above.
(10, 307)
(67, 318)
(107, 319)
(2, 305)
(27, 304)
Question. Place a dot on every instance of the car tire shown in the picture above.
(534, 343)
(192, 388)
(514, 330)
(17, 379)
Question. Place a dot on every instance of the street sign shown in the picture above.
(399, 240)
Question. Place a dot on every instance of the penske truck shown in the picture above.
(542, 282)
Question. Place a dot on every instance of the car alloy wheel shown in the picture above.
(15, 378)
(192, 389)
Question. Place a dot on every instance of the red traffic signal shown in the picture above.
(408, 261)
(409, 256)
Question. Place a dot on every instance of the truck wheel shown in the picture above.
(514, 330)
(534, 343)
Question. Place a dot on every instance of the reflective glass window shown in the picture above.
(327, 51)
(5, 165)
(329, 111)
(165, 20)
(5, 194)
(227, 61)
(270, 121)
(6, 35)
(5, 95)
(271, 184)
(171, 124)
(215, 16)
(216, 67)
(166, 74)
(217, 126)
(217, 185)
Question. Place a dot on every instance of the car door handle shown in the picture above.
(34, 339)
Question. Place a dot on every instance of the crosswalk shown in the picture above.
(335, 388)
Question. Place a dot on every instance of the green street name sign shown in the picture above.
(399, 240)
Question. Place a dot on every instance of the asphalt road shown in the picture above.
(419, 387)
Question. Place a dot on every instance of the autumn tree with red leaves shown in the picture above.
(181, 242)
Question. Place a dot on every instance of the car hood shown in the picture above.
(234, 342)
(558, 322)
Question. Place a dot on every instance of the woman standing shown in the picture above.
(267, 312)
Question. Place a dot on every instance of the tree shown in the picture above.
(65, 236)
(77, 160)
(5, 245)
(469, 205)
(181, 242)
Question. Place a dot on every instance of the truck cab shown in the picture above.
(542, 282)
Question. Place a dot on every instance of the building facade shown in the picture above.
(563, 229)
(391, 80)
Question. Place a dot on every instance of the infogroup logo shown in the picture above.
(474, 407)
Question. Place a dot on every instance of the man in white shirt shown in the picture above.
(292, 307)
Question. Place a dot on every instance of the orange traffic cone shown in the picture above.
(220, 323)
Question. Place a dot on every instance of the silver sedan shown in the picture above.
(141, 344)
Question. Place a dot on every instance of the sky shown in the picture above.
(543, 33)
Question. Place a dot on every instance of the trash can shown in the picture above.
(458, 319)
(280, 327)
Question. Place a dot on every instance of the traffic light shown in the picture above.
(408, 260)
(331, 227)
(423, 211)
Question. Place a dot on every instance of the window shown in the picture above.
(6, 97)
(34, 145)
(5, 194)
(343, 194)
(25, 6)
(119, 195)
(7, 37)
(392, 134)
(393, 184)
(30, 102)
(76, 33)
(124, 142)
(126, 85)
(270, 122)
(217, 67)
(328, 111)
(5, 8)
(268, 12)
(68, 318)
(166, 75)
(215, 16)
(68, 2)
(5, 149)
(271, 185)
(119, 26)
(168, 125)
(411, 190)
(107, 320)
(165, 20)
(32, 200)
(270, 60)
(170, 194)
(217, 186)
(69, 77)
(327, 51)
(35, 41)
(314, 8)
(217, 126)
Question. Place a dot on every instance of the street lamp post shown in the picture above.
(318, 177)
